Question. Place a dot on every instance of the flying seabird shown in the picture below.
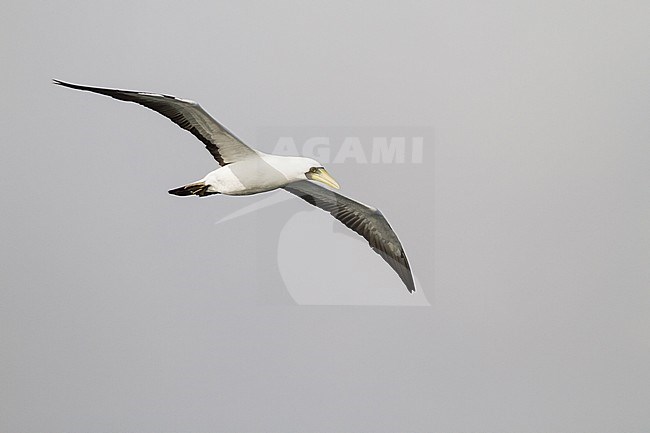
(246, 171)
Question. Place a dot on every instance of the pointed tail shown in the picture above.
(197, 188)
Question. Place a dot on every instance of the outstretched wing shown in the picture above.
(221, 143)
(365, 220)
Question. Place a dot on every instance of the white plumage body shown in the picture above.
(257, 174)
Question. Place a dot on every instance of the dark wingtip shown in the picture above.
(62, 83)
(72, 86)
(407, 278)
(410, 284)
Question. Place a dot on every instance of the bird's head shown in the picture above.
(314, 170)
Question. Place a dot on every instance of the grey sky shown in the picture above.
(123, 308)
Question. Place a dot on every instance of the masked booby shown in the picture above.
(245, 171)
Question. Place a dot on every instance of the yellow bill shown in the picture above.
(321, 175)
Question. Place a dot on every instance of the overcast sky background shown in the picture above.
(123, 308)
